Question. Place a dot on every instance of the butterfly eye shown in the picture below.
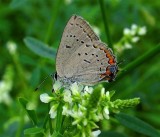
(55, 76)
(113, 69)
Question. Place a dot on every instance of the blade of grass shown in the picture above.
(103, 12)
(137, 125)
(55, 8)
(50, 121)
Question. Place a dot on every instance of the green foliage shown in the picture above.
(39, 48)
(95, 97)
(31, 113)
(32, 131)
(137, 125)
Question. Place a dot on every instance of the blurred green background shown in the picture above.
(21, 70)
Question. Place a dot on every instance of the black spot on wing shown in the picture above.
(87, 61)
(68, 46)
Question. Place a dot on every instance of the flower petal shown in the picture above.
(45, 98)
(126, 31)
(127, 45)
(135, 39)
(96, 133)
(134, 27)
(142, 30)
(74, 88)
(53, 111)
(67, 96)
(57, 85)
(106, 113)
(88, 89)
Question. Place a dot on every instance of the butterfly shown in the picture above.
(82, 57)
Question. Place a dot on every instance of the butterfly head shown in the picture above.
(112, 69)
(110, 74)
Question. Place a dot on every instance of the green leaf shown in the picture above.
(95, 97)
(17, 3)
(67, 128)
(137, 125)
(56, 134)
(111, 134)
(31, 113)
(39, 48)
(34, 130)
(35, 77)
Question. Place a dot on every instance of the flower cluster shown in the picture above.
(84, 105)
(130, 36)
(76, 101)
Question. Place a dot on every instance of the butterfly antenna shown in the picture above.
(50, 75)
(120, 62)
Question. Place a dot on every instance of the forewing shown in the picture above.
(76, 33)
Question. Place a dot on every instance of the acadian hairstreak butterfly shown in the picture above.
(82, 57)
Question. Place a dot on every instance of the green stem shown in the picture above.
(20, 71)
(21, 124)
(50, 121)
(103, 12)
(56, 8)
(59, 118)
(133, 65)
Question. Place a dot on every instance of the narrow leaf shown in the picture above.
(59, 118)
(31, 113)
(56, 134)
(137, 125)
(34, 130)
(111, 134)
(39, 48)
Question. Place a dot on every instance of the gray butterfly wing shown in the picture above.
(76, 33)
(88, 64)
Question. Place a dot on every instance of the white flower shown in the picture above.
(6, 85)
(45, 98)
(106, 112)
(53, 111)
(134, 27)
(142, 30)
(133, 32)
(68, 2)
(126, 31)
(66, 110)
(127, 45)
(96, 133)
(78, 117)
(75, 88)
(88, 89)
(67, 96)
(57, 85)
(135, 39)
(11, 47)
(107, 94)
(102, 91)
